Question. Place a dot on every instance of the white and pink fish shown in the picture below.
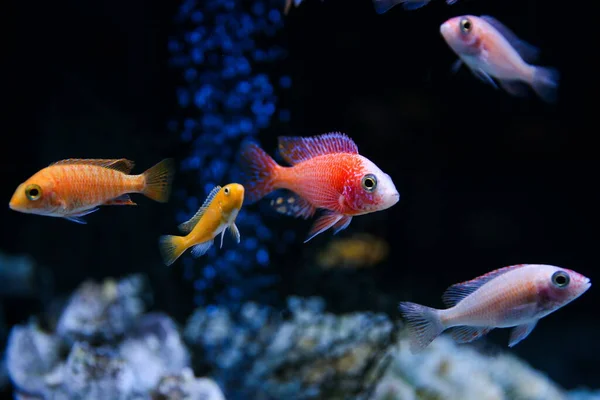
(515, 296)
(492, 51)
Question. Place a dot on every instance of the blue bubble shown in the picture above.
(285, 82)
(258, 8)
(262, 256)
(197, 17)
(275, 16)
(209, 272)
(197, 56)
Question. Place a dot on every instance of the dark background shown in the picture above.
(486, 180)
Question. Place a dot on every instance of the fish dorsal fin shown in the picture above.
(120, 164)
(295, 149)
(528, 52)
(455, 293)
(187, 226)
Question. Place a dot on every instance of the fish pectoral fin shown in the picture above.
(123, 200)
(222, 237)
(485, 77)
(522, 312)
(466, 334)
(201, 248)
(77, 217)
(516, 88)
(324, 222)
(293, 205)
(520, 332)
(235, 232)
(342, 224)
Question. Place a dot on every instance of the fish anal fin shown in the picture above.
(295, 149)
(324, 222)
(466, 334)
(120, 164)
(528, 52)
(201, 248)
(342, 224)
(520, 332)
(187, 226)
(455, 293)
(123, 200)
(515, 88)
(293, 205)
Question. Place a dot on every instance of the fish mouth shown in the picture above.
(587, 284)
(445, 29)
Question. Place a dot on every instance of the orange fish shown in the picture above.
(219, 211)
(327, 172)
(74, 188)
(516, 296)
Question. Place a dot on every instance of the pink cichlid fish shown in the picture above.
(326, 172)
(516, 296)
(491, 50)
(382, 6)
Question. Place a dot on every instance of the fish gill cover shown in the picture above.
(224, 51)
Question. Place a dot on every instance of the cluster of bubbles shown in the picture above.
(225, 51)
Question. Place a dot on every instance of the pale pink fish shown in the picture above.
(516, 296)
(382, 6)
(492, 51)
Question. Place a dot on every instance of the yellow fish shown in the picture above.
(358, 251)
(218, 213)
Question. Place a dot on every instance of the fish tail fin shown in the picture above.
(383, 6)
(260, 171)
(158, 180)
(171, 248)
(545, 83)
(424, 324)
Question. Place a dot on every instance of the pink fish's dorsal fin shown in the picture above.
(457, 292)
(120, 164)
(528, 52)
(187, 226)
(295, 149)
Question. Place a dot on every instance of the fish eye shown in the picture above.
(369, 182)
(466, 25)
(226, 191)
(33, 192)
(560, 279)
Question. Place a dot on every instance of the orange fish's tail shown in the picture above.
(171, 248)
(260, 171)
(158, 180)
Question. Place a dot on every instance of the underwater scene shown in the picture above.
(299, 199)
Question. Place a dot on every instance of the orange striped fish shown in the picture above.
(219, 211)
(74, 188)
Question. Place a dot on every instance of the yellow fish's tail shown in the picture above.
(158, 180)
(171, 248)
